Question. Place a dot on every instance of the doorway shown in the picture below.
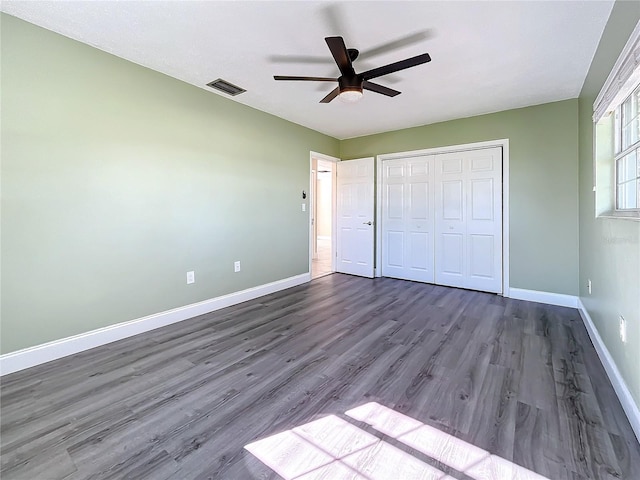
(322, 215)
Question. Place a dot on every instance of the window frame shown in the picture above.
(622, 82)
(620, 153)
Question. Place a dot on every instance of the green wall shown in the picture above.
(543, 170)
(609, 248)
(117, 180)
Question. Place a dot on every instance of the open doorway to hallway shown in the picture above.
(322, 216)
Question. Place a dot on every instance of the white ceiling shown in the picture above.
(486, 56)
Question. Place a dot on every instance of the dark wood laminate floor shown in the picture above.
(518, 379)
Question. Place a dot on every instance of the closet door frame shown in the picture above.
(504, 144)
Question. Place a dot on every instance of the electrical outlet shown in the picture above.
(589, 286)
(191, 277)
(236, 266)
(623, 329)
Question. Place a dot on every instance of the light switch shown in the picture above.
(304, 207)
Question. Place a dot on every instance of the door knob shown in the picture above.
(367, 223)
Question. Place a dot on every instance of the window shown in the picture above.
(627, 153)
(616, 117)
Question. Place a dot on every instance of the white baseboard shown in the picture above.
(622, 391)
(32, 356)
(544, 297)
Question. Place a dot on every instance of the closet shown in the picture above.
(441, 218)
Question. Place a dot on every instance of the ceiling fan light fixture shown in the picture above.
(351, 95)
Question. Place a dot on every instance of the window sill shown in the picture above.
(621, 215)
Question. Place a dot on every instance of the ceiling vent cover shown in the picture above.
(226, 87)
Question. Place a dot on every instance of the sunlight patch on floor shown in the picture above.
(333, 448)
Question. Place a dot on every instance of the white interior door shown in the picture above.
(355, 212)
(468, 219)
(408, 219)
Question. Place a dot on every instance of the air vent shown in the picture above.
(226, 87)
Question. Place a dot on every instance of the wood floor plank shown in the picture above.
(537, 383)
(493, 422)
(517, 379)
(538, 444)
(47, 465)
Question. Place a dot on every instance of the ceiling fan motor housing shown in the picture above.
(350, 83)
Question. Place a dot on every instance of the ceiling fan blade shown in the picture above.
(396, 67)
(374, 87)
(405, 41)
(332, 94)
(334, 18)
(306, 79)
(340, 55)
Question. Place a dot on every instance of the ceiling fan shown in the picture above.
(350, 83)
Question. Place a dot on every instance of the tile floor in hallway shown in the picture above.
(322, 265)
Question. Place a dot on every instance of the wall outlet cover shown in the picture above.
(623, 329)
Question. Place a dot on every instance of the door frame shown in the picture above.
(504, 143)
(311, 203)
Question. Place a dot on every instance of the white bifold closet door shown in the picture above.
(442, 219)
(468, 219)
(408, 218)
